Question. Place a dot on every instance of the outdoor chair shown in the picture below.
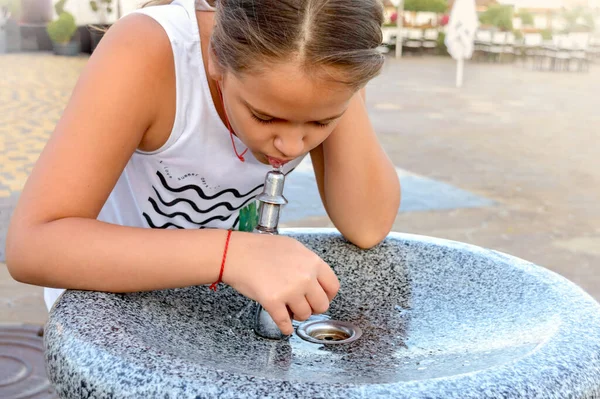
(414, 40)
(533, 51)
(483, 42)
(430, 38)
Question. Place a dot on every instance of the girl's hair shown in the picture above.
(340, 34)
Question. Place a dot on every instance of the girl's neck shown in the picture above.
(205, 24)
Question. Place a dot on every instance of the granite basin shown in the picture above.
(440, 319)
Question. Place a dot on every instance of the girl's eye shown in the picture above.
(265, 121)
(318, 124)
(268, 121)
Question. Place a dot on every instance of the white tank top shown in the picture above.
(195, 180)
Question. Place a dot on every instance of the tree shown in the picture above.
(436, 6)
(578, 19)
(526, 18)
(498, 15)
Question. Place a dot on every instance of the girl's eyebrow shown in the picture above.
(267, 115)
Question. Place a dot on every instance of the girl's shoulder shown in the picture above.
(139, 53)
(144, 37)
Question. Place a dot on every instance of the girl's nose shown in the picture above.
(291, 143)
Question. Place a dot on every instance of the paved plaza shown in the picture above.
(508, 162)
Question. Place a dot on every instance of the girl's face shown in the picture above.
(281, 113)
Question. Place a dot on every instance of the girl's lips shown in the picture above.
(275, 162)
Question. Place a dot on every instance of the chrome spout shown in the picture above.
(270, 202)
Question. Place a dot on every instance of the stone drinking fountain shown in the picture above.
(415, 317)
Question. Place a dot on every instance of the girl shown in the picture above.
(168, 136)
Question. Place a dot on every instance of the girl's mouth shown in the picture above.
(276, 162)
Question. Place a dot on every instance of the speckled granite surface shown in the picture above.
(440, 320)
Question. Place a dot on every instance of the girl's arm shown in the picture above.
(54, 238)
(357, 181)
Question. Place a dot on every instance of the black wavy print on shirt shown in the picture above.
(247, 197)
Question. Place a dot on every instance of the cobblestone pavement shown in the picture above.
(523, 142)
(34, 90)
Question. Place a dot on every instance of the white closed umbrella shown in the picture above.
(399, 4)
(460, 34)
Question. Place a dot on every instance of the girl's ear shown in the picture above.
(214, 68)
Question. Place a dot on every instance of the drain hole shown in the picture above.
(328, 332)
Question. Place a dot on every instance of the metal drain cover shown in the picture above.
(22, 369)
(330, 332)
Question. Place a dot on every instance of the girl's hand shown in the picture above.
(280, 273)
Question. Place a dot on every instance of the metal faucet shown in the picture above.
(270, 202)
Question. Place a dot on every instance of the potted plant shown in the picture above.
(104, 9)
(62, 32)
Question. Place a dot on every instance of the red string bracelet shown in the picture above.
(213, 286)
